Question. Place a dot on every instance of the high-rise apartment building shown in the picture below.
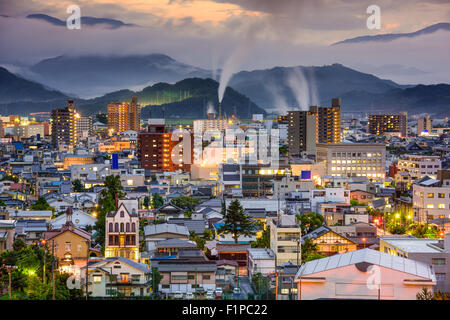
(157, 150)
(302, 132)
(329, 122)
(64, 125)
(123, 116)
(84, 126)
(424, 125)
(381, 123)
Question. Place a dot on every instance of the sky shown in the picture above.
(246, 34)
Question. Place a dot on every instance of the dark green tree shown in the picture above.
(260, 283)
(77, 186)
(310, 221)
(237, 222)
(157, 200)
(146, 202)
(2, 204)
(156, 279)
(309, 251)
(41, 204)
(186, 203)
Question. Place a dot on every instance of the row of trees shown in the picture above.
(31, 280)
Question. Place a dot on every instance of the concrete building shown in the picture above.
(261, 260)
(389, 123)
(353, 159)
(285, 239)
(329, 122)
(157, 149)
(424, 125)
(363, 274)
(84, 126)
(64, 125)
(230, 177)
(419, 166)
(434, 252)
(302, 132)
(431, 197)
(123, 116)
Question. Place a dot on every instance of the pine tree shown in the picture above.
(237, 222)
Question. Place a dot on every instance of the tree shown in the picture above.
(186, 203)
(264, 240)
(309, 249)
(356, 203)
(237, 222)
(310, 221)
(260, 283)
(41, 204)
(11, 178)
(107, 203)
(156, 279)
(283, 150)
(425, 294)
(146, 202)
(157, 201)
(77, 186)
(2, 204)
(199, 241)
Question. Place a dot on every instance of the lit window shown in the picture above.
(430, 206)
(97, 278)
(441, 206)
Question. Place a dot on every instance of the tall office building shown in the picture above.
(123, 116)
(157, 150)
(302, 132)
(64, 125)
(329, 122)
(389, 123)
(424, 124)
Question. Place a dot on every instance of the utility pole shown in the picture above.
(88, 243)
(53, 269)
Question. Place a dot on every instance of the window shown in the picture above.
(440, 276)
(206, 277)
(122, 214)
(110, 227)
(430, 206)
(441, 195)
(68, 246)
(97, 278)
(121, 227)
(116, 227)
(438, 261)
(79, 247)
(441, 206)
(179, 277)
(133, 227)
(430, 195)
(127, 228)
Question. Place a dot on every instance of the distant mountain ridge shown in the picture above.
(97, 75)
(393, 36)
(13, 88)
(248, 92)
(90, 21)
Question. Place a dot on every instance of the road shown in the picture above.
(246, 288)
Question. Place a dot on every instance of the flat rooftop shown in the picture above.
(414, 245)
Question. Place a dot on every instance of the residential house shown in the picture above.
(329, 242)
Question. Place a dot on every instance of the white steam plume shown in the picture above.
(280, 103)
(299, 87)
(235, 60)
(210, 108)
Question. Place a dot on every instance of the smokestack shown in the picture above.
(211, 116)
(220, 111)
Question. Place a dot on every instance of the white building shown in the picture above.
(353, 159)
(431, 199)
(363, 274)
(419, 166)
(261, 260)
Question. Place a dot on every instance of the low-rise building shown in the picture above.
(363, 274)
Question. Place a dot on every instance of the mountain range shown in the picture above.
(186, 91)
(443, 26)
